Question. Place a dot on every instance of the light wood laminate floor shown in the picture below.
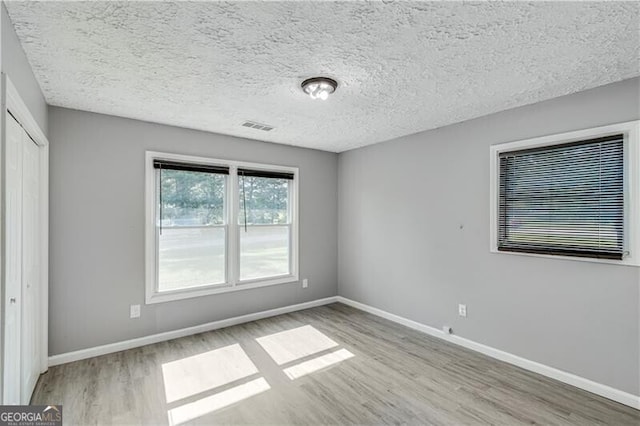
(328, 365)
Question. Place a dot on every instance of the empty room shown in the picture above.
(319, 213)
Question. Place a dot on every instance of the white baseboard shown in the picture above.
(562, 376)
(161, 337)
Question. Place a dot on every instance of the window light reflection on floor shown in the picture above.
(199, 373)
(212, 403)
(290, 345)
(315, 364)
(303, 350)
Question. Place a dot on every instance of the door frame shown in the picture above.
(10, 100)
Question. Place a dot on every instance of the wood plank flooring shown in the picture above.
(327, 365)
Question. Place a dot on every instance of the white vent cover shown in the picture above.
(258, 126)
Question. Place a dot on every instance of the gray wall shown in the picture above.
(401, 204)
(97, 228)
(15, 65)
(401, 249)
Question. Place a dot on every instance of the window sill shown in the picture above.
(628, 261)
(161, 297)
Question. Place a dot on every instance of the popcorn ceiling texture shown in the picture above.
(402, 67)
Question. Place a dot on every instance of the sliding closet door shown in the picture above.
(13, 262)
(30, 266)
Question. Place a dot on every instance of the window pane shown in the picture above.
(191, 198)
(190, 252)
(191, 257)
(264, 252)
(263, 200)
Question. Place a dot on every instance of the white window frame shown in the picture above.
(631, 132)
(232, 255)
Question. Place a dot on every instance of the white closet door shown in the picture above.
(30, 266)
(22, 316)
(13, 262)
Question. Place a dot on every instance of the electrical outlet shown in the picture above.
(305, 283)
(462, 310)
(134, 311)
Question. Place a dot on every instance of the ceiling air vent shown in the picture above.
(257, 126)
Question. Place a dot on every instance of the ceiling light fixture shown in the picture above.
(319, 87)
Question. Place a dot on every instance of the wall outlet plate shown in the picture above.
(305, 283)
(134, 311)
(462, 310)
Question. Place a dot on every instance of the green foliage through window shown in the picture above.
(263, 200)
(192, 198)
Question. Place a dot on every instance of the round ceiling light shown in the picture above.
(319, 87)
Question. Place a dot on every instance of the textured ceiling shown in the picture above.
(402, 67)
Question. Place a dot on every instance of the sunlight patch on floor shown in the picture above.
(290, 345)
(199, 373)
(215, 402)
(202, 384)
(316, 364)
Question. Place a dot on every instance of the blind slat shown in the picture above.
(190, 167)
(265, 174)
(566, 199)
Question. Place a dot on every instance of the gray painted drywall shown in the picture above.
(15, 65)
(97, 228)
(402, 249)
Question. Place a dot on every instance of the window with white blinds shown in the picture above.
(565, 199)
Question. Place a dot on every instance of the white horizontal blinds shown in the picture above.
(566, 199)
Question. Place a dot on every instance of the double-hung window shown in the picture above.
(214, 226)
(572, 195)
(265, 223)
(191, 224)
